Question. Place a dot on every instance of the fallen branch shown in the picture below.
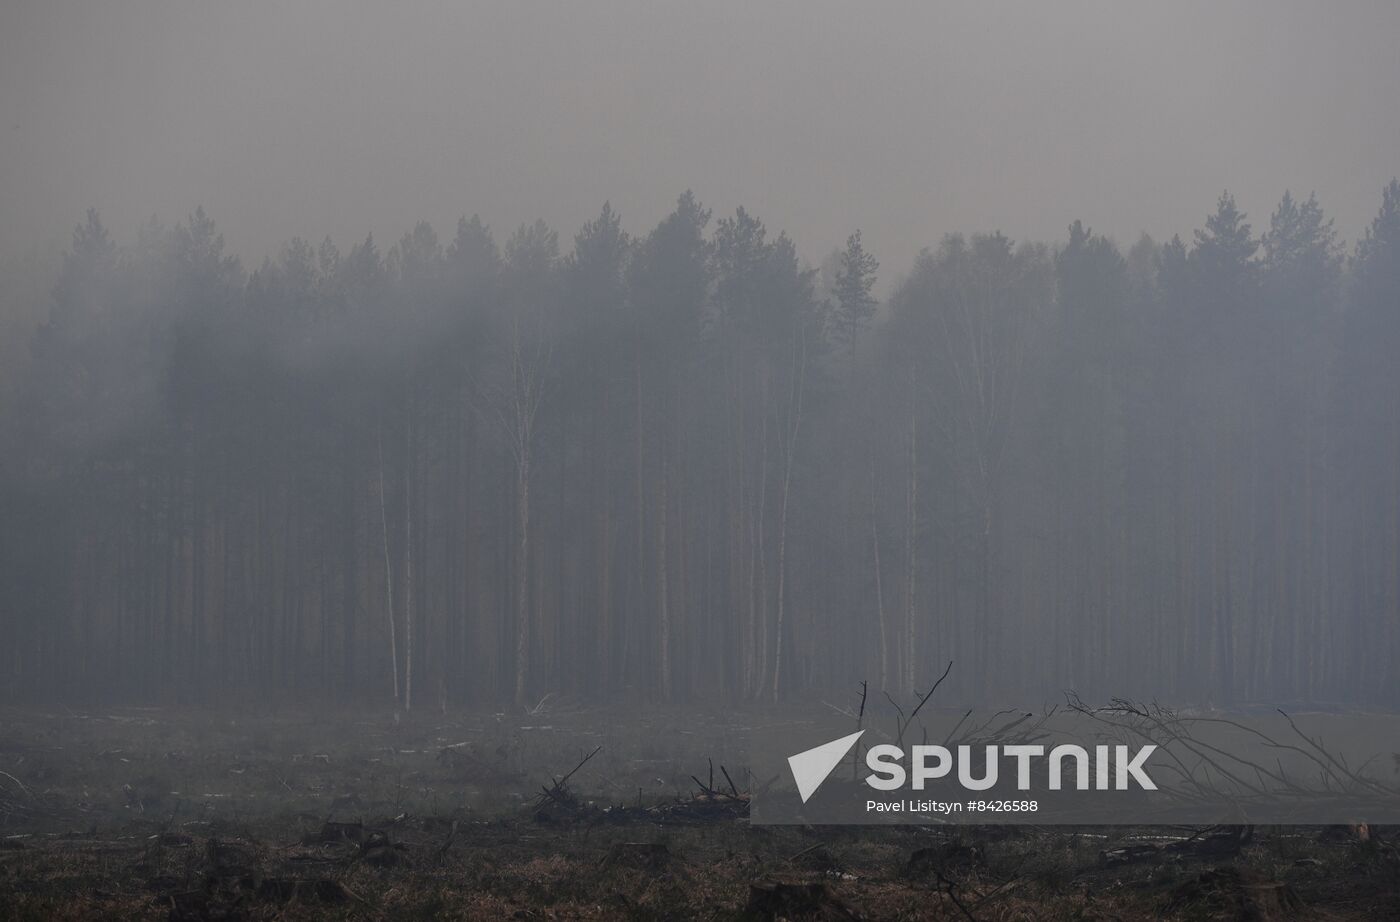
(558, 791)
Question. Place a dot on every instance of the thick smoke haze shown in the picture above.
(909, 120)
(464, 459)
(1053, 339)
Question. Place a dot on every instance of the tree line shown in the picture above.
(688, 465)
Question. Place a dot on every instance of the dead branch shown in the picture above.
(20, 784)
(558, 791)
(904, 725)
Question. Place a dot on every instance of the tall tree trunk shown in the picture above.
(798, 387)
(911, 501)
(761, 545)
(662, 599)
(522, 576)
(639, 602)
(388, 571)
(604, 545)
(879, 582)
(408, 471)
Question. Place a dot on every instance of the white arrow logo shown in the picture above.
(810, 768)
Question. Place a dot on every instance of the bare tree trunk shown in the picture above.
(388, 571)
(799, 378)
(741, 566)
(879, 582)
(911, 500)
(515, 410)
(761, 546)
(782, 580)
(408, 561)
(640, 601)
(662, 600)
(603, 511)
(522, 576)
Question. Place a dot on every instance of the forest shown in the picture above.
(688, 464)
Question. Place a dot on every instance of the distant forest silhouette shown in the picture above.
(685, 466)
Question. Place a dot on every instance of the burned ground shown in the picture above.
(201, 815)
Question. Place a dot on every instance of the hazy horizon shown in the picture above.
(904, 120)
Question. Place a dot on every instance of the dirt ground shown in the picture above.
(181, 814)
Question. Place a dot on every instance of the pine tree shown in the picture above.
(855, 306)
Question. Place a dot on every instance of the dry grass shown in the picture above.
(141, 814)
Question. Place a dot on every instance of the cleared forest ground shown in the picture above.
(183, 814)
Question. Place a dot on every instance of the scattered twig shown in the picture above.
(950, 888)
(20, 784)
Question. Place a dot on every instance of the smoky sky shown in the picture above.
(907, 120)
